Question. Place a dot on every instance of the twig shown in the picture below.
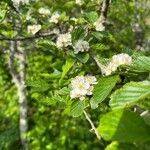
(40, 35)
(92, 125)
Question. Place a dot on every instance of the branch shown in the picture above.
(137, 28)
(36, 36)
(92, 125)
(101, 23)
(104, 8)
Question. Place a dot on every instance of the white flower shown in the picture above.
(78, 2)
(63, 40)
(81, 46)
(89, 91)
(117, 60)
(99, 25)
(55, 17)
(33, 28)
(82, 86)
(16, 3)
(121, 59)
(91, 79)
(109, 69)
(44, 11)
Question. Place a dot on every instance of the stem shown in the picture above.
(40, 35)
(92, 125)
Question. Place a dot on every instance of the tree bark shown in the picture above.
(19, 80)
(137, 28)
(101, 22)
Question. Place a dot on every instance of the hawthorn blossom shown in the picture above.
(63, 40)
(117, 60)
(81, 46)
(99, 25)
(82, 86)
(90, 79)
(33, 28)
(121, 59)
(55, 17)
(16, 3)
(44, 11)
(78, 2)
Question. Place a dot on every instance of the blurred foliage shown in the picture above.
(51, 113)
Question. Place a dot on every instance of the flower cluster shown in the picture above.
(82, 86)
(117, 60)
(55, 17)
(63, 40)
(81, 46)
(99, 25)
(34, 28)
(44, 11)
(78, 2)
(16, 3)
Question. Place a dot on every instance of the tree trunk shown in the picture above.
(19, 80)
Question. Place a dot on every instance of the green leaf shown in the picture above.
(10, 33)
(3, 10)
(102, 89)
(98, 35)
(69, 63)
(69, 5)
(44, 100)
(130, 93)
(77, 108)
(38, 85)
(9, 136)
(100, 47)
(115, 145)
(123, 126)
(84, 57)
(91, 16)
(64, 91)
(47, 45)
(145, 103)
(141, 64)
(78, 33)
